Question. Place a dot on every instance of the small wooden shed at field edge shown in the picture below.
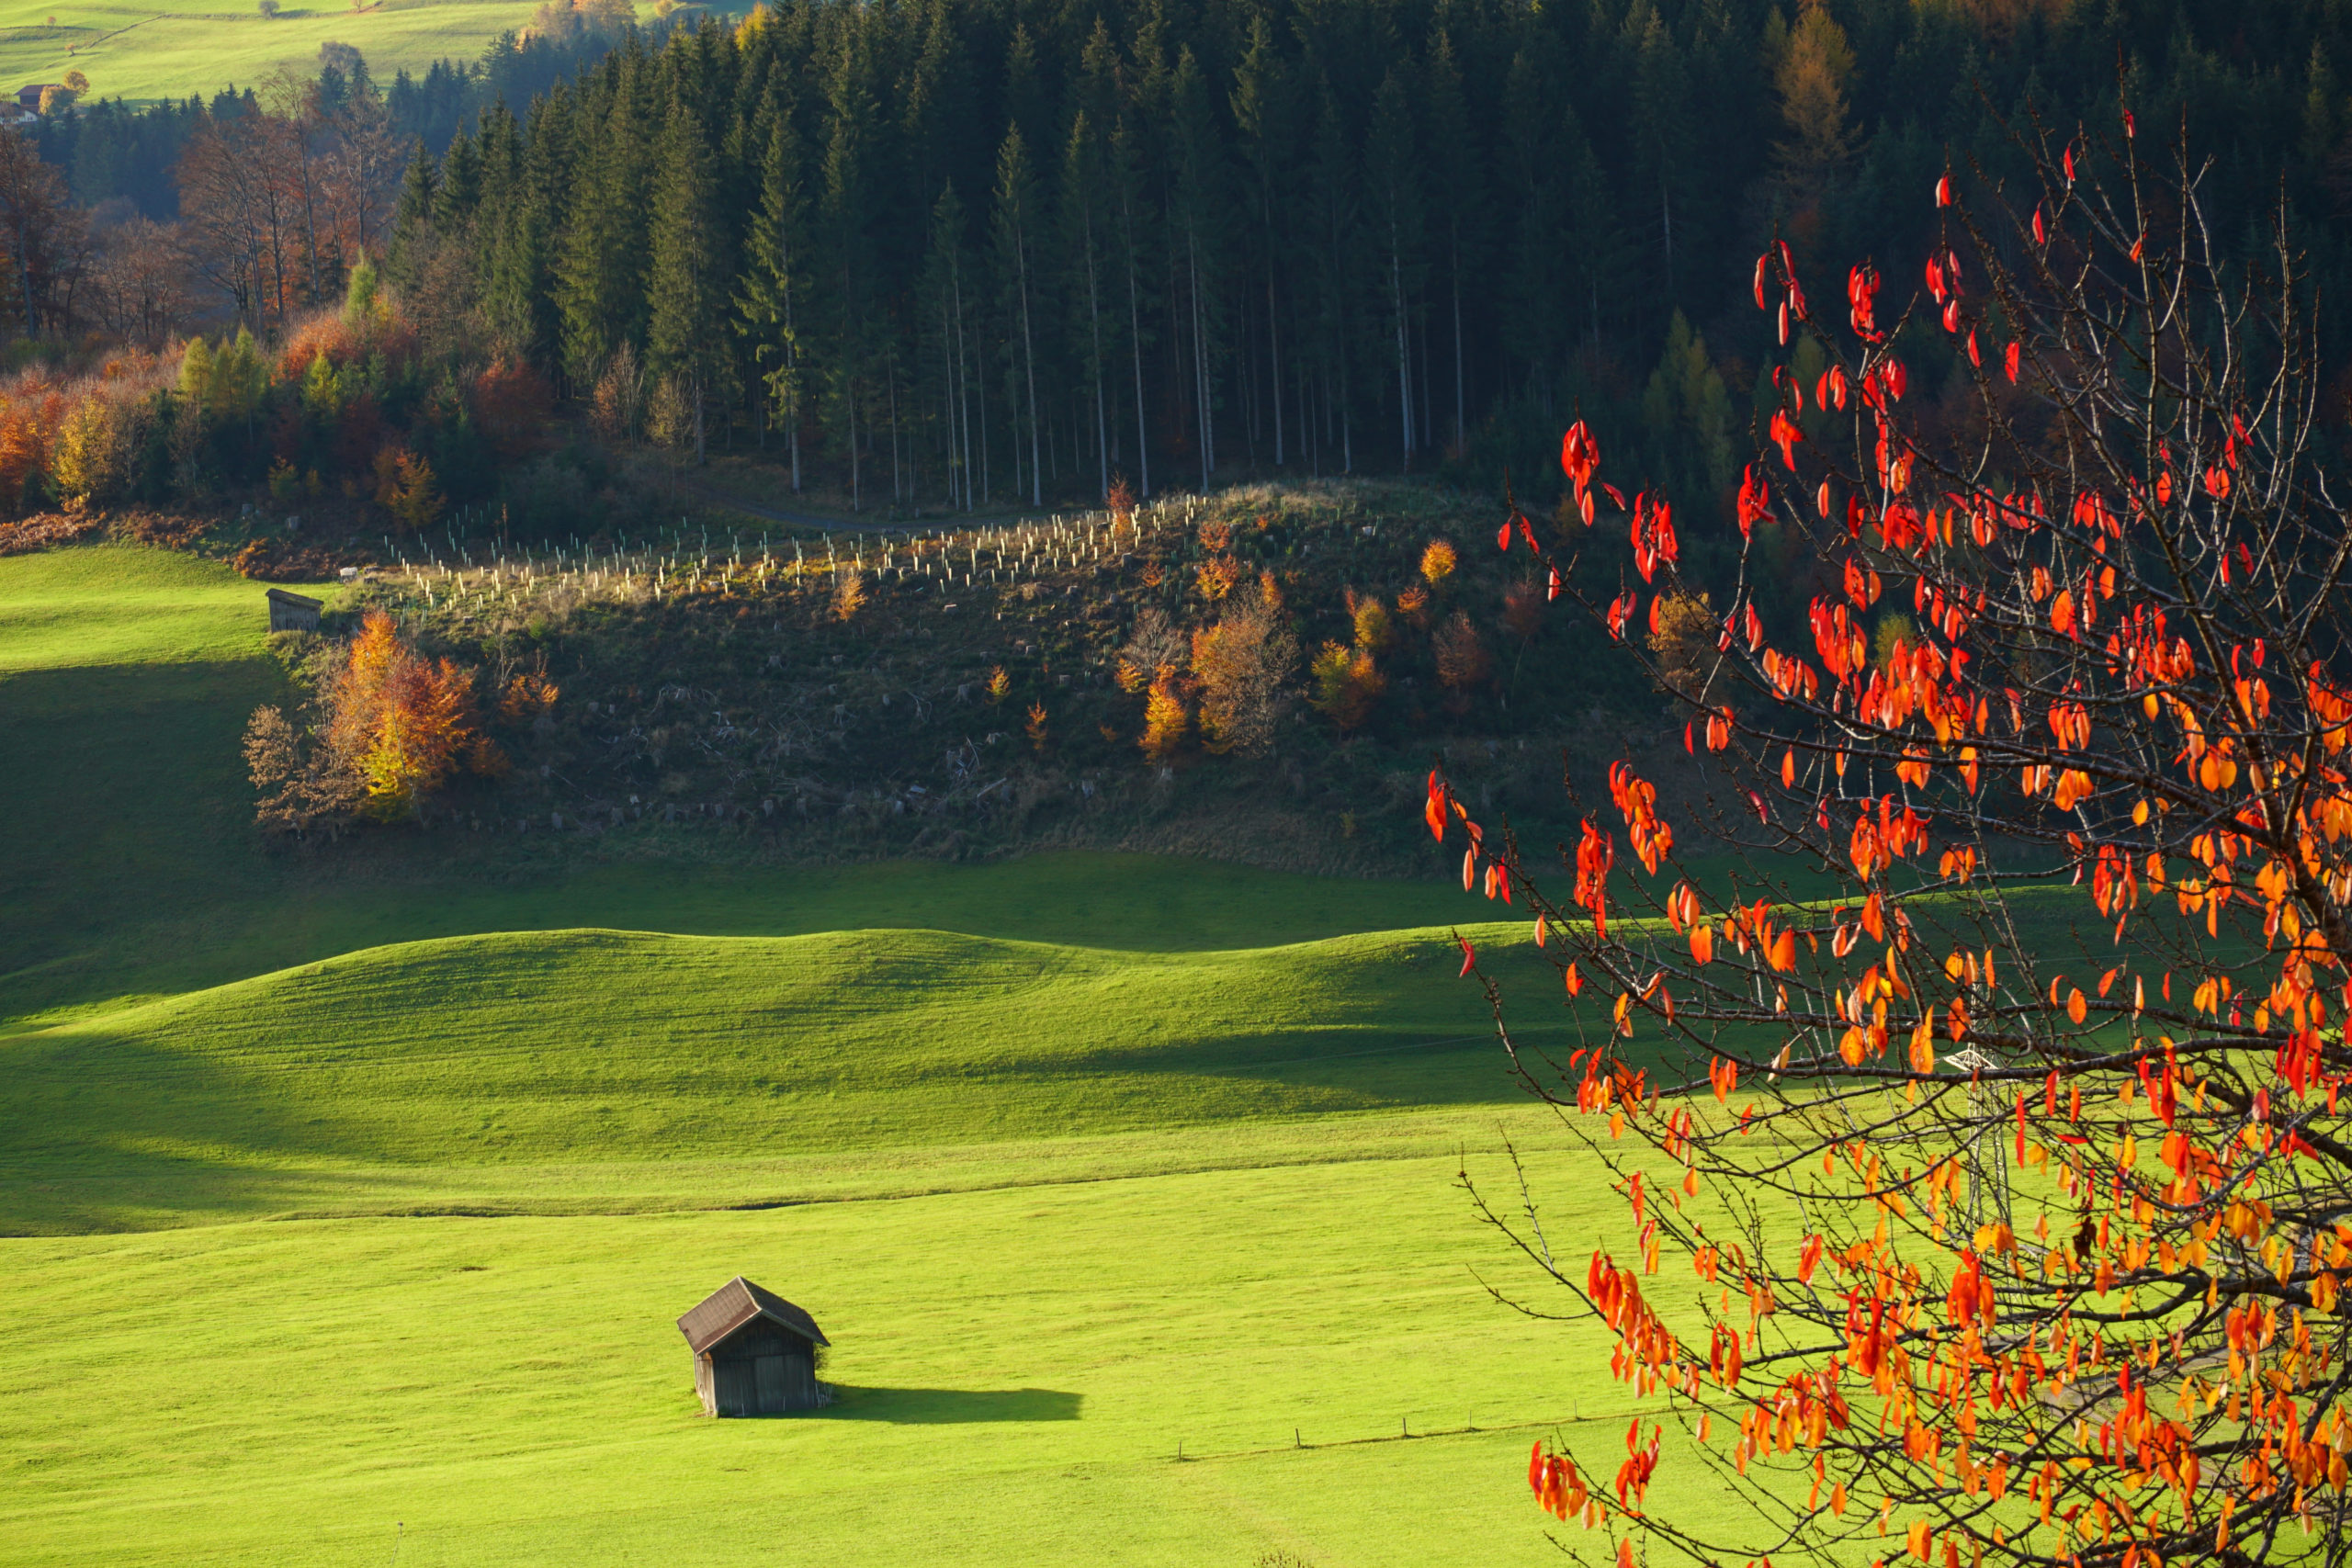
(293, 612)
(755, 1353)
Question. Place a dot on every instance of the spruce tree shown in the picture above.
(460, 186)
(1264, 114)
(1391, 187)
(688, 277)
(599, 292)
(944, 286)
(1085, 191)
(1017, 224)
(848, 218)
(774, 256)
(412, 211)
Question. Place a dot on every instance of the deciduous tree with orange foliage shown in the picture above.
(405, 722)
(2010, 1159)
(393, 727)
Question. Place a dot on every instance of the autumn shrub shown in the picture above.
(1371, 619)
(385, 731)
(1167, 718)
(405, 723)
(1437, 562)
(29, 420)
(526, 697)
(269, 560)
(1462, 663)
(511, 403)
(45, 531)
(1216, 577)
(1524, 610)
(1153, 645)
(1346, 683)
(1683, 642)
(617, 408)
(669, 414)
(165, 530)
(306, 786)
(95, 454)
(1241, 665)
(406, 489)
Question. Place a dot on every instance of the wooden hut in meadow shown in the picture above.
(755, 1353)
(293, 612)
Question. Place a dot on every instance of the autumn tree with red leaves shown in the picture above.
(1975, 1038)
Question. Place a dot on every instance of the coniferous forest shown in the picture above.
(971, 254)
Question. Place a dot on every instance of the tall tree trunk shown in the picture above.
(1403, 374)
(1094, 325)
(1200, 358)
(1273, 351)
(1029, 360)
(963, 387)
(792, 364)
(1461, 430)
(1134, 344)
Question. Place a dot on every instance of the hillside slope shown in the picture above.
(577, 1048)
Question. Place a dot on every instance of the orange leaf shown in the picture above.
(2077, 1008)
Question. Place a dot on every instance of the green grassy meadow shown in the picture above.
(347, 1202)
(147, 52)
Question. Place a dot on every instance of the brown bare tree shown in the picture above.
(38, 226)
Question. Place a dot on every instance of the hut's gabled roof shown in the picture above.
(736, 1302)
(302, 600)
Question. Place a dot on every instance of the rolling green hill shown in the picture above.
(471, 1057)
(348, 1199)
(126, 678)
(147, 52)
(368, 1185)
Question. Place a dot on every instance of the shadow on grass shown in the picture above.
(941, 1406)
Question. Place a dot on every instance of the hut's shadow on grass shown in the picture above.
(921, 1407)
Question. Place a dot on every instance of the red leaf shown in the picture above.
(1580, 455)
(1943, 191)
(2009, 358)
(1469, 957)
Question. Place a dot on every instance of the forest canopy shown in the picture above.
(983, 252)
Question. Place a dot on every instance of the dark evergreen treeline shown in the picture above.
(976, 249)
(110, 151)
